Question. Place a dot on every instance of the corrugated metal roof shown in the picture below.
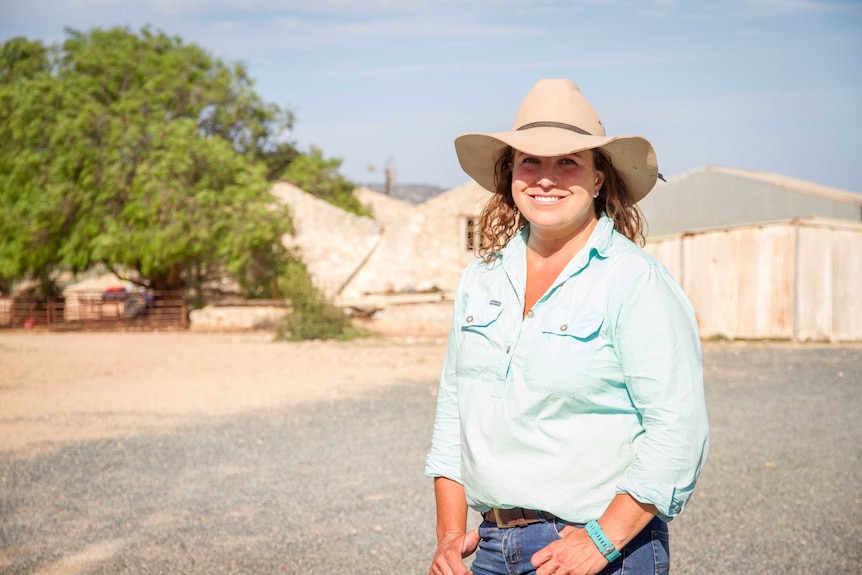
(796, 185)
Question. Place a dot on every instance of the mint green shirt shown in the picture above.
(597, 391)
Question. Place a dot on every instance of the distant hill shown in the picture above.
(412, 193)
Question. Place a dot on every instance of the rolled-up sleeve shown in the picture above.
(444, 458)
(659, 348)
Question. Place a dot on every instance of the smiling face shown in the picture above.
(555, 194)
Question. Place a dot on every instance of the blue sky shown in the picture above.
(771, 85)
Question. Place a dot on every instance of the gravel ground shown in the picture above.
(336, 486)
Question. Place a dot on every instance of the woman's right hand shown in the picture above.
(451, 551)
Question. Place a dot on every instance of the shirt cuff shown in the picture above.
(436, 467)
(668, 499)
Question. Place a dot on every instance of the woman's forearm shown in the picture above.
(451, 507)
(453, 542)
(624, 518)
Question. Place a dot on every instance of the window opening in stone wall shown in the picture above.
(471, 234)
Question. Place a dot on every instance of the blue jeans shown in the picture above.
(508, 551)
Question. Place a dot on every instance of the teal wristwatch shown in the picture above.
(606, 548)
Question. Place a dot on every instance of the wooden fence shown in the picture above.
(96, 310)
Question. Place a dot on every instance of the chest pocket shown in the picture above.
(564, 351)
(481, 341)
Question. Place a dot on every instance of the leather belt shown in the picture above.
(517, 517)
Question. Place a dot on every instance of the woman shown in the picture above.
(570, 412)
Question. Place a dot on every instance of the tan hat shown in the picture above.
(555, 119)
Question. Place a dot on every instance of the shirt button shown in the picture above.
(530, 313)
(564, 327)
(469, 318)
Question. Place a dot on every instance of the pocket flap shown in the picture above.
(481, 313)
(577, 323)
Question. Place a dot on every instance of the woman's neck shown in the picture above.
(548, 244)
(547, 256)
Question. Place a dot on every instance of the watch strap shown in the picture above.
(606, 548)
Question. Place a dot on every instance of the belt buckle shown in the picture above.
(499, 521)
(514, 522)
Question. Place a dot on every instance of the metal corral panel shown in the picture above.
(814, 285)
(669, 252)
(798, 279)
(740, 281)
(847, 285)
(828, 284)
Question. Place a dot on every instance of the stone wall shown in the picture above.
(404, 248)
(236, 318)
(331, 242)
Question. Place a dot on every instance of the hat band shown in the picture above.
(560, 125)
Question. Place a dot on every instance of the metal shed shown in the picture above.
(797, 279)
(719, 196)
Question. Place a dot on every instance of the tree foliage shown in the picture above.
(310, 316)
(144, 154)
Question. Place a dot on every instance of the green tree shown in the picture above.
(142, 153)
(21, 59)
(318, 176)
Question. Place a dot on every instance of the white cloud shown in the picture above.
(660, 8)
(801, 7)
(161, 8)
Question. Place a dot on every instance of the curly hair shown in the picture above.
(500, 219)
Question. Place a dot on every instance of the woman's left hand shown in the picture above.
(574, 554)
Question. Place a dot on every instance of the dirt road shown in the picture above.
(58, 387)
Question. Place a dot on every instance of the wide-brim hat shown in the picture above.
(555, 119)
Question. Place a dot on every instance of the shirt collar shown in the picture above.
(599, 244)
